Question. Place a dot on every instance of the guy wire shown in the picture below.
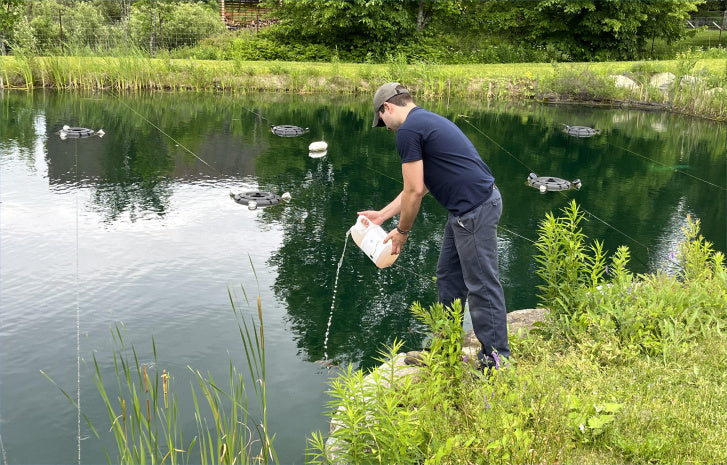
(78, 319)
(663, 164)
(648, 252)
(2, 447)
(164, 133)
(256, 114)
(465, 117)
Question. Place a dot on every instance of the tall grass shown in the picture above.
(705, 96)
(144, 413)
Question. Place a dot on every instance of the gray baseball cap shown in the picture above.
(383, 94)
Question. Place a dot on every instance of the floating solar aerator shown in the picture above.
(550, 183)
(69, 132)
(581, 131)
(286, 130)
(255, 199)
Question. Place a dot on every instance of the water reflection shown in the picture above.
(156, 216)
(633, 173)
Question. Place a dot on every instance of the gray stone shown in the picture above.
(626, 82)
(662, 81)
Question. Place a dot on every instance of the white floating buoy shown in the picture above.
(251, 205)
(318, 146)
(543, 188)
(286, 196)
(100, 133)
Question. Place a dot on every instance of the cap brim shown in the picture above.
(378, 122)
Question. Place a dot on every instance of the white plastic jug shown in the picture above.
(370, 238)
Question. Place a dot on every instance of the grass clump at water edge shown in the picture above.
(698, 88)
(627, 369)
(144, 414)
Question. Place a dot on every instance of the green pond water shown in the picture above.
(137, 230)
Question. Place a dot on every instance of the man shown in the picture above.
(437, 157)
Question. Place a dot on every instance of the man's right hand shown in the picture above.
(373, 216)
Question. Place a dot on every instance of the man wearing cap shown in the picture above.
(437, 157)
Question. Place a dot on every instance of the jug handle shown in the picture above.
(364, 221)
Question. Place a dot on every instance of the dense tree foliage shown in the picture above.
(367, 29)
(563, 30)
(584, 30)
(10, 14)
(56, 26)
(413, 31)
(363, 25)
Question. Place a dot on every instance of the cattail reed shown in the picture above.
(123, 417)
(230, 439)
(146, 380)
(165, 387)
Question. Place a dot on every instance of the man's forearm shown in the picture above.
(410, 201)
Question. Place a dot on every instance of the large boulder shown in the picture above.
(662, 81)
(624, 82)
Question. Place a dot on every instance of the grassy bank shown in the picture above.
(518, 81)
(627, 369)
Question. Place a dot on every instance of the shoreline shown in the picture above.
(699, 92)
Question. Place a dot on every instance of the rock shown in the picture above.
(715, 90)
(622, 81)
(525, 318)
(662, 81)
(689, 81)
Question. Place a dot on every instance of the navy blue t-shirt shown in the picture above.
(453, 170)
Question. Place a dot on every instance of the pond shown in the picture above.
(136, 232)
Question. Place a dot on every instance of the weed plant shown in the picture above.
(144, 413)
(626, 369)
(590, 300)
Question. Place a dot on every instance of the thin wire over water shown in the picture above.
(635, 241)
(78, 320)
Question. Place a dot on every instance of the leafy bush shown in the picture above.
(583, 393)
(590, 301)
(581, 83)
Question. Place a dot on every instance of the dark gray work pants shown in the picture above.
(468, 268)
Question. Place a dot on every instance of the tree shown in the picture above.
(366, 24)
(171, 24)
(10, 14)
(363, 28)
(428, 11)
(584, 30)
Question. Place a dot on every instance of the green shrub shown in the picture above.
(581, 83)
(582, 388)
(601, 304)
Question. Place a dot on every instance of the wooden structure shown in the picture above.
(238, 14)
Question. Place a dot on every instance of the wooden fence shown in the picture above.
(238, 14)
